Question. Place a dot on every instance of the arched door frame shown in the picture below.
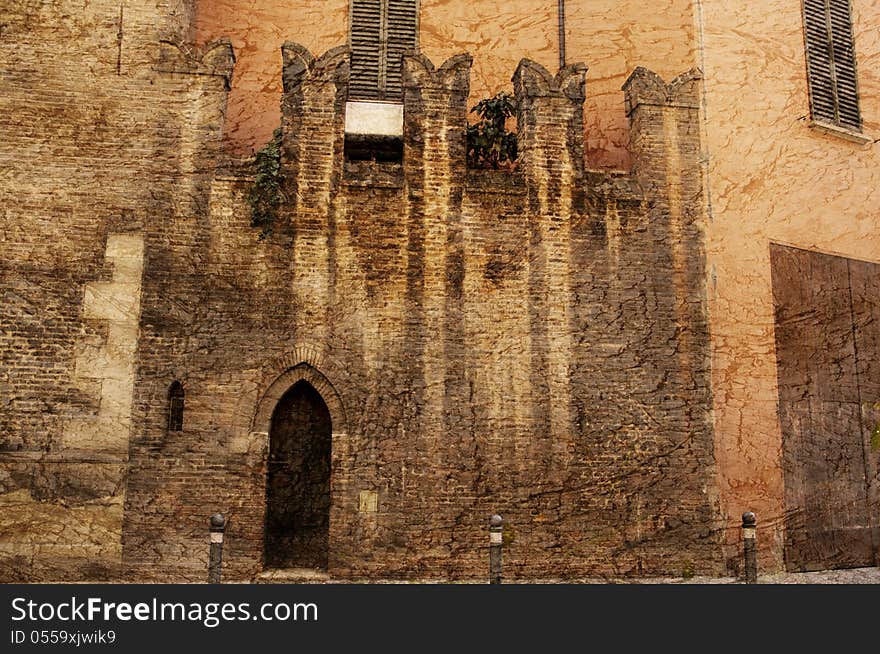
(284, 382)
(262, 422)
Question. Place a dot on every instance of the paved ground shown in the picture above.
(305, 576)
(855, 576)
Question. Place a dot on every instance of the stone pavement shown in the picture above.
(854, 576)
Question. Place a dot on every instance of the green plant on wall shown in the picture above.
(489, 143)
(266, 196)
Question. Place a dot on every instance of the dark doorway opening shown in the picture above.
(298, 481)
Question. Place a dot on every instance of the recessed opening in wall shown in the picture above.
(175, 406)
(379, 149)
(298, 481)
(374, 131)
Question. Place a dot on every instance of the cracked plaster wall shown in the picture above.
(772, 179)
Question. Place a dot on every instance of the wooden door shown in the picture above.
(865, 282)
(827, 519)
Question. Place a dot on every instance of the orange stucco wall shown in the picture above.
(611, 37)
(772, 179)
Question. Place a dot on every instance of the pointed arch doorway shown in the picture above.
(298, 480)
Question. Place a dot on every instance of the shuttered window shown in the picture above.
(831, 63)
(382, 31)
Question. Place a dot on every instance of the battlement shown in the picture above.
(317, 115)
(426, 133)
(549, 106)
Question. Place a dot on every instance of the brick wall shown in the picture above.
(531, 343)
(100, 145)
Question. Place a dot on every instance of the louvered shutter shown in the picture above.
(831, 65)
(844, 64)
(365, 44)
(402, 24)
(819, 65)
(381, 32)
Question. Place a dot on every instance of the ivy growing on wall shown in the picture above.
(489, 143)
(266, 195)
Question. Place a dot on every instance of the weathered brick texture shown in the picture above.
(91, 138)
(531, 343)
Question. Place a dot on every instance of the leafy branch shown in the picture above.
(265, 195)
(489, 143)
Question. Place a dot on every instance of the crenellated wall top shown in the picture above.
(299, 64)
(453, 74)
(531, 80)
(213, 59)
(645, 87)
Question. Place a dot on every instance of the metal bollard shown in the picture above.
(218, 525)
(750, 547)
(495, 539)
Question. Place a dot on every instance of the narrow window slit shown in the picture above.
(175, 406)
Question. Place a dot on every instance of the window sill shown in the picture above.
(840, 132)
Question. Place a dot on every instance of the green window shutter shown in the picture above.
(831, 64)
(382, 31)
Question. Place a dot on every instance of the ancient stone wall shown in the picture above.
(532, 343)
(99, 131)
